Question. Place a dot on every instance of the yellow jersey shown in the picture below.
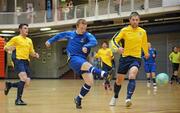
(24, 46)
(134, 41)
(106, 56)
(174, 57)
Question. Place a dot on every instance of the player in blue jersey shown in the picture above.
(79, 44)
(150, 67)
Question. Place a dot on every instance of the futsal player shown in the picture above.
(24, 48)
(150, 67)
(174, 57)
(135, 39)
(79, 44)
(106, 56)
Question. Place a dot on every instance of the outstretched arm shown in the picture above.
(60, 36)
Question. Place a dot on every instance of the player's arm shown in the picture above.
(32, 51)
(60, 36)
(155, 53)
(145, 46)
(92, 42)
(97, 55)
(170, 56)
(116, 39)
(10, 46)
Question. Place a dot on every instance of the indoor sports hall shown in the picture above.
(58, 66)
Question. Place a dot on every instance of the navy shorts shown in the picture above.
(22, 66)
(106, 68)
(75, 63)
(125, 63)
(175, 66)
(149, 68)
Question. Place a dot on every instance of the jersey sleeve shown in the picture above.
(170, 56)
(91, 41)
(31, 47)
(62, 35)
(11, 42)
(144, 44)
(116, 38)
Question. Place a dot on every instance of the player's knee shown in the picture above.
(119, 80)
(28, 80)
(90, 82)
(86, 66)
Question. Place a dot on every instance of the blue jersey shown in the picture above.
(151, 58)
(76, 42)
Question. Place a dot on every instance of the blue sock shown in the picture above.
(131, 88)
(98, 72)
(84, 90)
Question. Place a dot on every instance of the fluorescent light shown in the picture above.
(45, 29)
(7, 31)
(6, 35)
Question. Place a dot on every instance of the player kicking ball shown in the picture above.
(79, 44)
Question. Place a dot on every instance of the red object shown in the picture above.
(2, 58)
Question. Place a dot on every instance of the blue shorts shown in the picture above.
(75, 63)
(125, 63)
(22, 66)
(149, 68)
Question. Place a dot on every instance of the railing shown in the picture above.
(93, 9)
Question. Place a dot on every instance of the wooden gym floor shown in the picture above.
(56, 96)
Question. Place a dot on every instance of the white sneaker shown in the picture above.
(155, 88)
(148, 84)
(128, 102)
(113, 101)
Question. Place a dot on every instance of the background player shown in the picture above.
(150, 67)
(24, 49)
(78, 48)
(106, 56)
(135, 39)
(174, 57)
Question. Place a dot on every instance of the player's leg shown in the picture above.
(148, 76)
(122, 70)
(88, 79)
(108, 69)
(20, 88)
(148, 80)
(84, 68)
(9, 85)
(176, 67)
(133, 70)
(21, 67)
(117, 88)
(174, 73)
(87, 67)
(131, 85)
(153, 74)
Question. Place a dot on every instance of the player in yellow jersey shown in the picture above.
(135, 40)
(174, 57)
(106, 56)
(24, 48)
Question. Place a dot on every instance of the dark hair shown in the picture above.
(105, 43)
(81, 21)
(134, 14)
(21, 25)
(173, 48)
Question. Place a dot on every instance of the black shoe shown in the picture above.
(20, 102)
(78, 103)
(7, 88)
(171, 82)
